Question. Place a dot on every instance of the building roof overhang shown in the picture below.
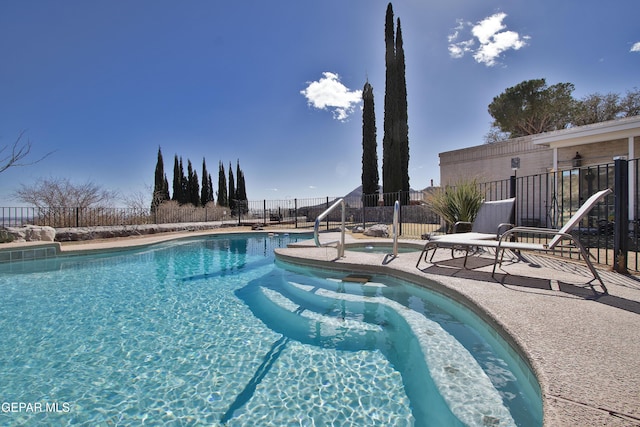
(589, 134)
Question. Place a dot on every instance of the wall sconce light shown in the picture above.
(515, 163)
(577, 160)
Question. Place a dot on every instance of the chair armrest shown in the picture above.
(534, 230)
(504, 226)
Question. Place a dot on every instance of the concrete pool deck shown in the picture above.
(584, 348)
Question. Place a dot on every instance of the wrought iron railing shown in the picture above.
(544, 200)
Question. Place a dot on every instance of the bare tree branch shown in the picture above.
(61, 192)
(19, 151)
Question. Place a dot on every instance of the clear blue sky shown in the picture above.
(276, 84)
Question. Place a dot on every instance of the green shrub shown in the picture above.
(456, 203)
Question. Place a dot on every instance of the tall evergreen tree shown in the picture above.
(232, 191)
(205, 195)
(389, 144)
(184, 182)
(193, 187)
(222, 186)
(210, 196)
(241, 190)
(370, 177)
(177, 179)
(160, 186)
(402, 116)
(395, 142)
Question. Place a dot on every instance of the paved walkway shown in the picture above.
(583, 347)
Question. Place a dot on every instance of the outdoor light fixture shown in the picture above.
(577, 160)
(515, 163)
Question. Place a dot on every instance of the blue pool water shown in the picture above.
(212, 331)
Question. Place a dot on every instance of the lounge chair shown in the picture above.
(493, 219)
(560, 239)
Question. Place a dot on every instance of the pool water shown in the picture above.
(212, 331)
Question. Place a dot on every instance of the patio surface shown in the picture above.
(584, 348)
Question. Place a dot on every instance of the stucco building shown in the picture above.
(554, 166)
(590, 145)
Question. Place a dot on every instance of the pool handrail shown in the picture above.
(316, 226)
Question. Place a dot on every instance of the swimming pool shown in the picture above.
(212, 331)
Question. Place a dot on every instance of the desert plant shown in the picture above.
(456, 203)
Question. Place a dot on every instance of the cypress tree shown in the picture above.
(389, 144)
(395, 142)
(205, 193)
(370, 177)
(241, 190)
(177, 180)
(184, 181)
(160, 186)
(193, 188)
(402, 116)
(232, 191)
(210, 196)
(222, 186)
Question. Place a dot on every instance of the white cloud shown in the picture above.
(488, 27)
(492, 36)
(635, 47)
(329, 93)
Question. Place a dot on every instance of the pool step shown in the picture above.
(328, 324)
(357, 278)
(456, 374)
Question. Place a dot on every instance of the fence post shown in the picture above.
(295, 212)
(77, 217)
(327, 215)
(364, 211)
(512, 193)
(621, 214)
(402, 202)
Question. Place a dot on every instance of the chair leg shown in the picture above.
(495, 261)
(420, 257)
(425, 253)
(432, 253)
(585, 256)
(466, 255)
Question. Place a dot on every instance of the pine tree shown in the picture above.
(222, 186)
(395, 142)
(370, 177)
(232, 191)
(160, 187)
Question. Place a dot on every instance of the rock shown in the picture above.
(32, 233)
(378, 230)
(357, 229)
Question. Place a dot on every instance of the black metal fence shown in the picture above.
(543, 200)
